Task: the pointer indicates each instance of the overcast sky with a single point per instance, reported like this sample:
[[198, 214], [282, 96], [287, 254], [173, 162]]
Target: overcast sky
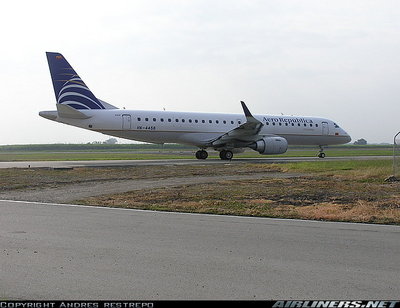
[[335, 59]]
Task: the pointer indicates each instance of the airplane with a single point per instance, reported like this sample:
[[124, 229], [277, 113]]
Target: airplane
[[225, 133]]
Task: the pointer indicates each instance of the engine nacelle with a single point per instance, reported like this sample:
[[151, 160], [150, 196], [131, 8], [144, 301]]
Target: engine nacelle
[[270, 145]]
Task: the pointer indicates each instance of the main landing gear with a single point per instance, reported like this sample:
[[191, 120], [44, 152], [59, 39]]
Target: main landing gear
[[226, 155], [201, 154], [321, 153]]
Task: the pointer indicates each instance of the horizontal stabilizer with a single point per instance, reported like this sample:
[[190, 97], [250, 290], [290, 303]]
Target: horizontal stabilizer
[[51, 115], [107, 105], [66, 111]]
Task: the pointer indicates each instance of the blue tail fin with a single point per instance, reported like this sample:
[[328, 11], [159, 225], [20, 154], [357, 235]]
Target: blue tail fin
[[69, 88]]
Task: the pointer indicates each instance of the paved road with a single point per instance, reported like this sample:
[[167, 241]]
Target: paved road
[[122, 163], [72, 252]]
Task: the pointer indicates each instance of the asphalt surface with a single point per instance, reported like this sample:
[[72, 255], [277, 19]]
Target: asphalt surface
[[53, 251], [177, 162]]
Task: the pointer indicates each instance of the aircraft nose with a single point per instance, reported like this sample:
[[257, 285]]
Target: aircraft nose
[[347, 137]]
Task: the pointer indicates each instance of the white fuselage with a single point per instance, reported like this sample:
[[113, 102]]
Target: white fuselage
[[199, 129]]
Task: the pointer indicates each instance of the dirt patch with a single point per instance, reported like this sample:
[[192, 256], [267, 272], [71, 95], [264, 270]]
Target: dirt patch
[[310, 197], [65, 186]]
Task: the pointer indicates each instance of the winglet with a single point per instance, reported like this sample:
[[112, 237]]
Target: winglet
[[247, 131], [249, 116], [246, 110]]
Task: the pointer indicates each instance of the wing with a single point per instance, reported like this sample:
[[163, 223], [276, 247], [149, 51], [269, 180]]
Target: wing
[[241, 135]]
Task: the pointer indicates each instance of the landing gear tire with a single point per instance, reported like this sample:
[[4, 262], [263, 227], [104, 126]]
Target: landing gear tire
[[226, 155], [201, 154], [321, 153]]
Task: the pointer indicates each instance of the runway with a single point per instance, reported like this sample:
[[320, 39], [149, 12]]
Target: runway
[[51, 251], [177, 162]]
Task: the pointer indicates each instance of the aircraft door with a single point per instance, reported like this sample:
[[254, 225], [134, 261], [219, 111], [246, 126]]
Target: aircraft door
[[325, 128], [126, 121]]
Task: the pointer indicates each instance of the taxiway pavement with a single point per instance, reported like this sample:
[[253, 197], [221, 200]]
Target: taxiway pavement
[[177, 162], [51, 251]]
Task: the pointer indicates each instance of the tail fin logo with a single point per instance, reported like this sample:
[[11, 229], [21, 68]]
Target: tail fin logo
[[69, 88], [76, 94]]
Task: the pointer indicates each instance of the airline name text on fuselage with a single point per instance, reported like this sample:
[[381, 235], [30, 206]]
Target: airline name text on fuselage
[[287, 120]]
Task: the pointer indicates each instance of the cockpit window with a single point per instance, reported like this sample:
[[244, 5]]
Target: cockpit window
[[336, 126]]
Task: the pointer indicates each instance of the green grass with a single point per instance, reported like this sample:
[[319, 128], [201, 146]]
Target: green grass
[[338, 166], [358, 170], [329, 153]]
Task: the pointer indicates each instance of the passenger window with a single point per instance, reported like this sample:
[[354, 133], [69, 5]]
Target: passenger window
[[183, 120], [217, 121], [203, 121], [154, 119], [196, 121], [176, 120], [232, 122], [162, 120], [139, 119], [209, 121], [169, 120], [316, 125], [224, 122], [146, 119]]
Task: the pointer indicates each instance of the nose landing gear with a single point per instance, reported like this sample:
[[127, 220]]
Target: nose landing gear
[[321, 153]]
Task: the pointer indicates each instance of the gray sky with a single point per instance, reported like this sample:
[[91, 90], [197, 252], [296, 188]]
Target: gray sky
[[335, 59]]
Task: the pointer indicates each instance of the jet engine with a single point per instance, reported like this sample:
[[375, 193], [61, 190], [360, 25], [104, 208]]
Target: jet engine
[[270, 145]]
